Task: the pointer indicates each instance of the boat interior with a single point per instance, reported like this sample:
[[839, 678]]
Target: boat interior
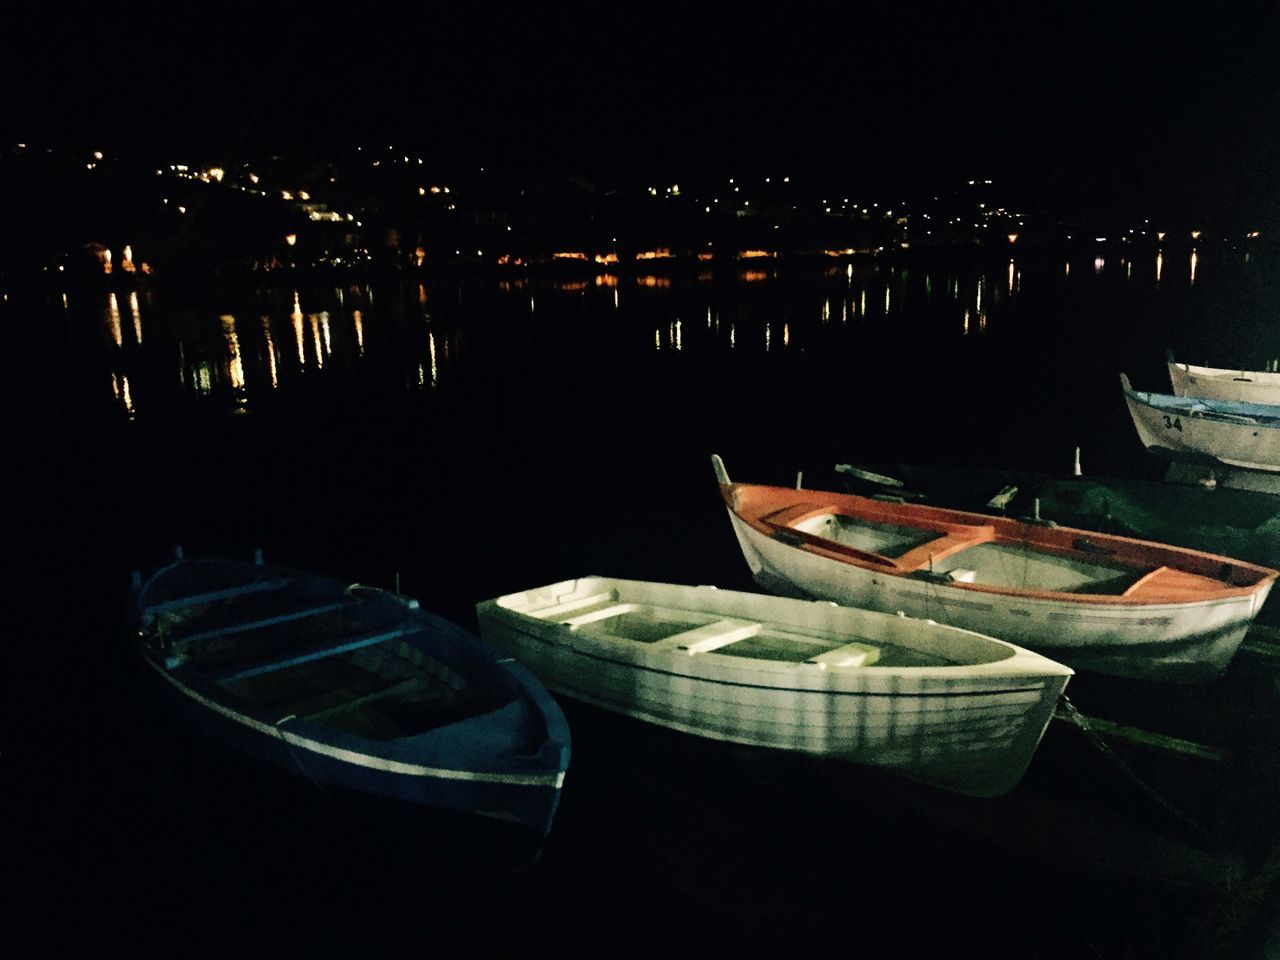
[[1004, 555], [323, 659], [611, 615]]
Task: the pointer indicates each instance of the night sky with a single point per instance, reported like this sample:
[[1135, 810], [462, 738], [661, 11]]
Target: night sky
[[1166, 105]]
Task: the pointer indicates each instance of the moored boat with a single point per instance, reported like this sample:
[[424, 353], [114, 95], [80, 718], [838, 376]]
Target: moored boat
[[1217, 383], [1094, 601], [934, 703], [356, 688], [1237, 434]]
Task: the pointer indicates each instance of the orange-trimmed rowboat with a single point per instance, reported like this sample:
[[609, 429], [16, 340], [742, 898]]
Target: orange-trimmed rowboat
[[1093, 601]]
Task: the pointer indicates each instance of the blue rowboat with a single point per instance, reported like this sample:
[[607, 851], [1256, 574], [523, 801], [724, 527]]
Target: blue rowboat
[[354, 687]]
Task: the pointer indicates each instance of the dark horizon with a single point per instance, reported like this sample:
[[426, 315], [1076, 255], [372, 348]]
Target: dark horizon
[[1091, 109]]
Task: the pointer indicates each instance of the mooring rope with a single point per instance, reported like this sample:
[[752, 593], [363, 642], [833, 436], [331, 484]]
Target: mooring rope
[[1069, 712]]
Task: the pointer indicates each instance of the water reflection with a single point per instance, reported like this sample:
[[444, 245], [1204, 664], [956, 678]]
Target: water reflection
[[272, 362], [235, 366], [239, 356], [136, 313], [120, 386], [113, 319], [296, 318]]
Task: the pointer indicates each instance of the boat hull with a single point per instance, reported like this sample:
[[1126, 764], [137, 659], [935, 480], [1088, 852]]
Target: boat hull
[[528, 798], [971, 730], [1186, 643], [1234, 386]]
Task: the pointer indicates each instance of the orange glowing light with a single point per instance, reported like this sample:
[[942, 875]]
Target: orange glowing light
[[1195, 234], [606, 280], [286, 194], [606, 258], [1013, 238], [291, 239], [756, 254], [648, 280], [705, 255], [419, 256], [569, 255], [754, 276], [660, 253]]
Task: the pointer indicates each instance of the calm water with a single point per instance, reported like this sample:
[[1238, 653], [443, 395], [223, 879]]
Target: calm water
[[476, 436]]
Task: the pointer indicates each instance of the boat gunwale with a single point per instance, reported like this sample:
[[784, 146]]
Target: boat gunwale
[[1248, 413], [1016, 661], [1266, 378], [1015, 681]]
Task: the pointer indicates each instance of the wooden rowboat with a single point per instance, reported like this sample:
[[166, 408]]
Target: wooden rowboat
[[1237, 434], [937, 704], [1217, 383], [357, 688], [1094, 601]]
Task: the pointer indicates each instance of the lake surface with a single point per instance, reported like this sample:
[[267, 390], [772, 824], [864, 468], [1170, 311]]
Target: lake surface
[[474, 436]]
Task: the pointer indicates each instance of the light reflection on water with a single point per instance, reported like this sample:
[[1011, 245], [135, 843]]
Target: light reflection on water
[[113, 319], [218, 358], [136, 312]]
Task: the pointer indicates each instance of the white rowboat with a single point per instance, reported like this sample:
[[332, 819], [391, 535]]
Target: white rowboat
[[940, 705], [1216, 383]]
